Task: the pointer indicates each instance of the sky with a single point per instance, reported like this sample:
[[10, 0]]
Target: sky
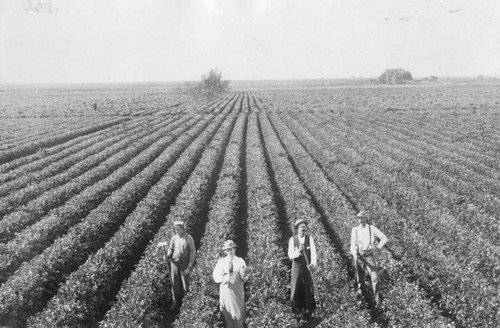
[[85, 41]]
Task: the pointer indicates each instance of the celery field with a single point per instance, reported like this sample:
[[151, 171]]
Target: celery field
[[92, 178]]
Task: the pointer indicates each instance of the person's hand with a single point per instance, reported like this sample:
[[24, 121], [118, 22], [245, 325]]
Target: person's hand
[[301, 247], [187, 271], [311, 266], [243, 273]]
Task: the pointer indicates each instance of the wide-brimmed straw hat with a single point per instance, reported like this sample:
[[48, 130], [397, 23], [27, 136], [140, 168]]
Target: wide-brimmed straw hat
[[179, 224], [228, 244], [299, 222], [363, 214]]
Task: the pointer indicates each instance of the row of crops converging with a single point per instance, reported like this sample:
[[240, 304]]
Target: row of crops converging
[[84, 202]]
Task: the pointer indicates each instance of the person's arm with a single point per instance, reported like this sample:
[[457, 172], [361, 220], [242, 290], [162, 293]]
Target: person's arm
[[242, 270], [171, 248], [382, 238], [353, 243], [313, 251], [292, 253], [218, 273], [192, 253]]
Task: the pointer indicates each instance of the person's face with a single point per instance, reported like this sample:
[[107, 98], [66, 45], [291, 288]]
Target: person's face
[[302, 229], [230, 251], [362, 221], [179, 230]]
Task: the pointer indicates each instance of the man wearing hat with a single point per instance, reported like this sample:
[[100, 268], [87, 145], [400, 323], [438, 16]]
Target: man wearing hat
[[302, 252], [362, 249], [182, 253]]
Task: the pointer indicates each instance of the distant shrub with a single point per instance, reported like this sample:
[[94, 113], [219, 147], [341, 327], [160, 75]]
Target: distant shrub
[[210, 86], [395, 76]]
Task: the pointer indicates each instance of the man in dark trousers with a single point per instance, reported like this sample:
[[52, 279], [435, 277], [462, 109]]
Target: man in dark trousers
[[182, 253], [302, 252]]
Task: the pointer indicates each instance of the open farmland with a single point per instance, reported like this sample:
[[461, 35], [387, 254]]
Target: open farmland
[[88, 191]]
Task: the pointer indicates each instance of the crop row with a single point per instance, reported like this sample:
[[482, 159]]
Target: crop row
[[144, 297], [85, 296], [30, 287], [339, 216], [453, 288], [115, 172], [200, 306], [268, 283], [434, 140], [33, 145], [50, 197], [45, 157], [63, 171], [474, 132], [475, 186], [334, 286], [413, 193], [26, 131]]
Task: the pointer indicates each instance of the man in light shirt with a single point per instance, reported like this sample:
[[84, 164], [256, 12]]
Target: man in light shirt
[[363, 246], [182, 253], [302, 252]]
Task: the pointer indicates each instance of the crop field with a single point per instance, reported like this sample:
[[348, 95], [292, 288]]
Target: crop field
[[92, 179]]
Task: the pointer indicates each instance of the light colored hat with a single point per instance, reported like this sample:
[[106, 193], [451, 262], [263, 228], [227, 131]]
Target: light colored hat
[[299, 222], [228, 244], [362, 214], [179, 224]]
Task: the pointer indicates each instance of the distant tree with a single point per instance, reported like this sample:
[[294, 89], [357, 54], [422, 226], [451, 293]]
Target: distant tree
[[395, 76], [210, 86]]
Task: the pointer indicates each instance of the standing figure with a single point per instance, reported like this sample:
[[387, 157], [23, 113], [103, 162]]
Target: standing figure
[[302, 252], [363, 248], [230, 274], [182, 253]]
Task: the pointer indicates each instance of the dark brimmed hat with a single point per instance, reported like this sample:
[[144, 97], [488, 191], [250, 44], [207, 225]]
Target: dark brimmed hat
[[299, 222], [363, 214], [228, 244]]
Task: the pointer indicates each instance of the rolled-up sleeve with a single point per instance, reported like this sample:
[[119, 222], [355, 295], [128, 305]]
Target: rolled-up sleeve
[[314, 256], [353, 242], [292, 253], [382, 238], [218, 273]]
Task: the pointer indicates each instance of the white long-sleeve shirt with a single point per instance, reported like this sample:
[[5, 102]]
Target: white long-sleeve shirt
[[294, 252], [362, 239]]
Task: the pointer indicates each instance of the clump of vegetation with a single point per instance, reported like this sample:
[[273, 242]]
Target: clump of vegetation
[[210, 86], [395, 76]]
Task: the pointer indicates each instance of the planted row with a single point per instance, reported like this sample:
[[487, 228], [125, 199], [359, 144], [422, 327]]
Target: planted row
[[201, 306], [85, 296], [338, 214], [476, 254], [61, 172], [268, 284], [27, 291], [144, 297], [444, 281], [40, 235], [33, 145], [334, 286]]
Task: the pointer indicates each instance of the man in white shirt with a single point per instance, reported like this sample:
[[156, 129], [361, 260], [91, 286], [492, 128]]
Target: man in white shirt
[[182, 253], [302, 252], [363, 247]]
